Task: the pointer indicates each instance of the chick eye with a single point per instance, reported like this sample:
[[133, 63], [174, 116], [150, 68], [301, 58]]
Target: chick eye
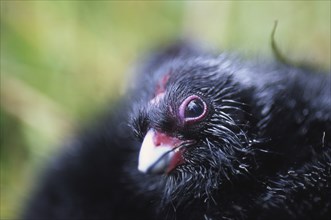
[[192, 109]]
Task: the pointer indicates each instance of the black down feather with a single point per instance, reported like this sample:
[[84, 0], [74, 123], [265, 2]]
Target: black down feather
[[247, 140]]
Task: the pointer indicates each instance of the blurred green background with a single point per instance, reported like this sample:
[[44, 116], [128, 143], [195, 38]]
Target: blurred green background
[[63, 61]]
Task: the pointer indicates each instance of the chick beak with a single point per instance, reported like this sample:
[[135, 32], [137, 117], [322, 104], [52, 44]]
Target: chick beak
[[159, 153]]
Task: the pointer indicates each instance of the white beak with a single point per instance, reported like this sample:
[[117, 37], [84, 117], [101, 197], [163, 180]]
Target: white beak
[[152, 158]]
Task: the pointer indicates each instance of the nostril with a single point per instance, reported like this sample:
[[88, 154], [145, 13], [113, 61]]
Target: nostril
[[162, 139], [159, 138], [157, 142]]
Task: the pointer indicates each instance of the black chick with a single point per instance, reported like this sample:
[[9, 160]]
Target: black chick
[[217, 138]]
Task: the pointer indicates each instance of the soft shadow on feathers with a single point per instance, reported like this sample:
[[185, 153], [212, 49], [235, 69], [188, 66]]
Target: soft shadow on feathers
[[263, 150]]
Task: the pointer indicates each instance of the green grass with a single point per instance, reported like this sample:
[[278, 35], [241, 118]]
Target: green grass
[[63, 61]]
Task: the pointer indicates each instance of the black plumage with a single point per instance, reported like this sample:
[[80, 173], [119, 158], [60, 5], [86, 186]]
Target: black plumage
[[239, 140]]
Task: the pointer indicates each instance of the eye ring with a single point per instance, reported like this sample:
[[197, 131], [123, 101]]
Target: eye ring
[[192, 109]]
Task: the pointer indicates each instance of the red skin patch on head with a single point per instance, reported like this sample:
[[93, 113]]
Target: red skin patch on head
[[160, 88]]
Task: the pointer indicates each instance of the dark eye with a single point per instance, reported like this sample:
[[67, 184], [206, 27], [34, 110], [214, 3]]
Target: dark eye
[[192, 109]]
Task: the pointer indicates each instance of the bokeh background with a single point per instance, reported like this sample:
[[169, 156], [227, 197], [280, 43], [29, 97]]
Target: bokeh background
[[63, 61]]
